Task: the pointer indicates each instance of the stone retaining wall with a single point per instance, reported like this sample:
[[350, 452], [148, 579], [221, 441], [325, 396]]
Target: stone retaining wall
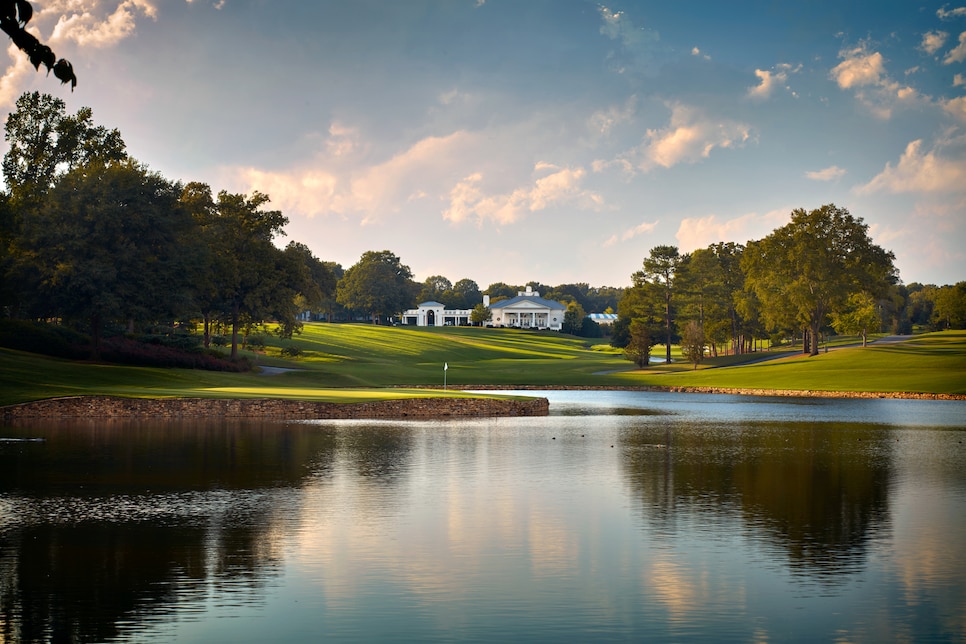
[[110, 407]]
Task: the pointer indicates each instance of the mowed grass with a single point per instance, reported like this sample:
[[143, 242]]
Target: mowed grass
[[930, 363], [346, 363]]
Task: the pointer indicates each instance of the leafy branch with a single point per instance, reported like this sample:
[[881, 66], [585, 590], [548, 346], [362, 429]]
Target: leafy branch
[[14, 16]]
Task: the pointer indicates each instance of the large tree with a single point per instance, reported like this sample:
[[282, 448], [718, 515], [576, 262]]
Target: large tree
[[378, 283], [806, 270], [108, 245], [45, 143], [248, 271], [657, 279]]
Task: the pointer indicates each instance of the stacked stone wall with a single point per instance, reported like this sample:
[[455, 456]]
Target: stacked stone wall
[[112, 407]]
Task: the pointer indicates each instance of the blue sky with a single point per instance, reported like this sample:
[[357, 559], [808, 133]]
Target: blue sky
[[556, 141]]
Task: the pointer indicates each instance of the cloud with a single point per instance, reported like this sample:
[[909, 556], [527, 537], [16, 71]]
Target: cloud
[[958, 53], [827, 174], [467, 199], [932, 41], [629, 234], [85, 26], [945, 14], [864, 72], [697, 52], [690, 137], [859, 68], [920, 171], [694, 233], [333, 184], [637, 44], [15, 76], [956, 107], [959, 80], [768, 81], [603, 122]]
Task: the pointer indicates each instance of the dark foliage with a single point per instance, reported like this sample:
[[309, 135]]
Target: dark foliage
[[122, 350], [14, 16], [46, 339]]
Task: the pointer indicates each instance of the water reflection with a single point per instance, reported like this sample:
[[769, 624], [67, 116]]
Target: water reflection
[[820, 493], [698, 521]]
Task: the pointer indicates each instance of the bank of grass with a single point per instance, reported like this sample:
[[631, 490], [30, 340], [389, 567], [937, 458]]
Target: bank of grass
[[930, 363], [345, 363]]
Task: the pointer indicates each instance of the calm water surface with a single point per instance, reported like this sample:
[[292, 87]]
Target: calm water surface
[[622, 516]]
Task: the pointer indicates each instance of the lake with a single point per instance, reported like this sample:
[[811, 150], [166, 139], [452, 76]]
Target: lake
[[621, 516]]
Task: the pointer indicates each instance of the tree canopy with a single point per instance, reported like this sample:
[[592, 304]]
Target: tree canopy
[[378, 283], [806, 270]]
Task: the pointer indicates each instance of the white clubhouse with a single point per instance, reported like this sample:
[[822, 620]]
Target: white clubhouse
[[525, 311]]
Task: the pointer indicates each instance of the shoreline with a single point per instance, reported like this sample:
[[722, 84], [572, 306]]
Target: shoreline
[[735, 391], [404, 408]]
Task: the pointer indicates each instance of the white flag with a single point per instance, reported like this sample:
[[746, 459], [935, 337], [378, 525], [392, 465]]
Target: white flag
[[445, 366]]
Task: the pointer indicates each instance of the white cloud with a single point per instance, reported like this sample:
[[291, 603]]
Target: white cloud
[[959, 80], [859, 68], [932, 41], [946, 14], [864, 72], [701, 232], [330, 185], [956, 107], [958, 53], [767, 83], [629, 234], [827, 174], [467, 200], [690, 137], [697, 52], [86, 26], [15, 77], [919, 171]]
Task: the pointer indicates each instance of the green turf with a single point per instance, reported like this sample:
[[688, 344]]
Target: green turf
[[352, 362]]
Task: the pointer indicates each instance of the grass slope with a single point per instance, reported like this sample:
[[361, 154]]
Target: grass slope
[[344, 363]]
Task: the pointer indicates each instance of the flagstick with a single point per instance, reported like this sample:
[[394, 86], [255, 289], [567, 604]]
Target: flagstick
[[445, 369]]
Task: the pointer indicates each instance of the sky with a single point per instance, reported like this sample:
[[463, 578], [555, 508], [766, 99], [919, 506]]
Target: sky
[[554, 141]]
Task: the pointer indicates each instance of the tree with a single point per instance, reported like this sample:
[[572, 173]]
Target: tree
[[481, 314], [108, 246], [805, 270], [573, 320], [378, 283], [436, 288], [501, 291], [949, 308], [693, 343], [859, 314], [638, 349], [14, 16], [660, 270], [248, 272], [466, 294], [44, 144]]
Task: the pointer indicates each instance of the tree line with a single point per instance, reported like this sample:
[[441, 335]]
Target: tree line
[[91, 238], [819, 273]]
